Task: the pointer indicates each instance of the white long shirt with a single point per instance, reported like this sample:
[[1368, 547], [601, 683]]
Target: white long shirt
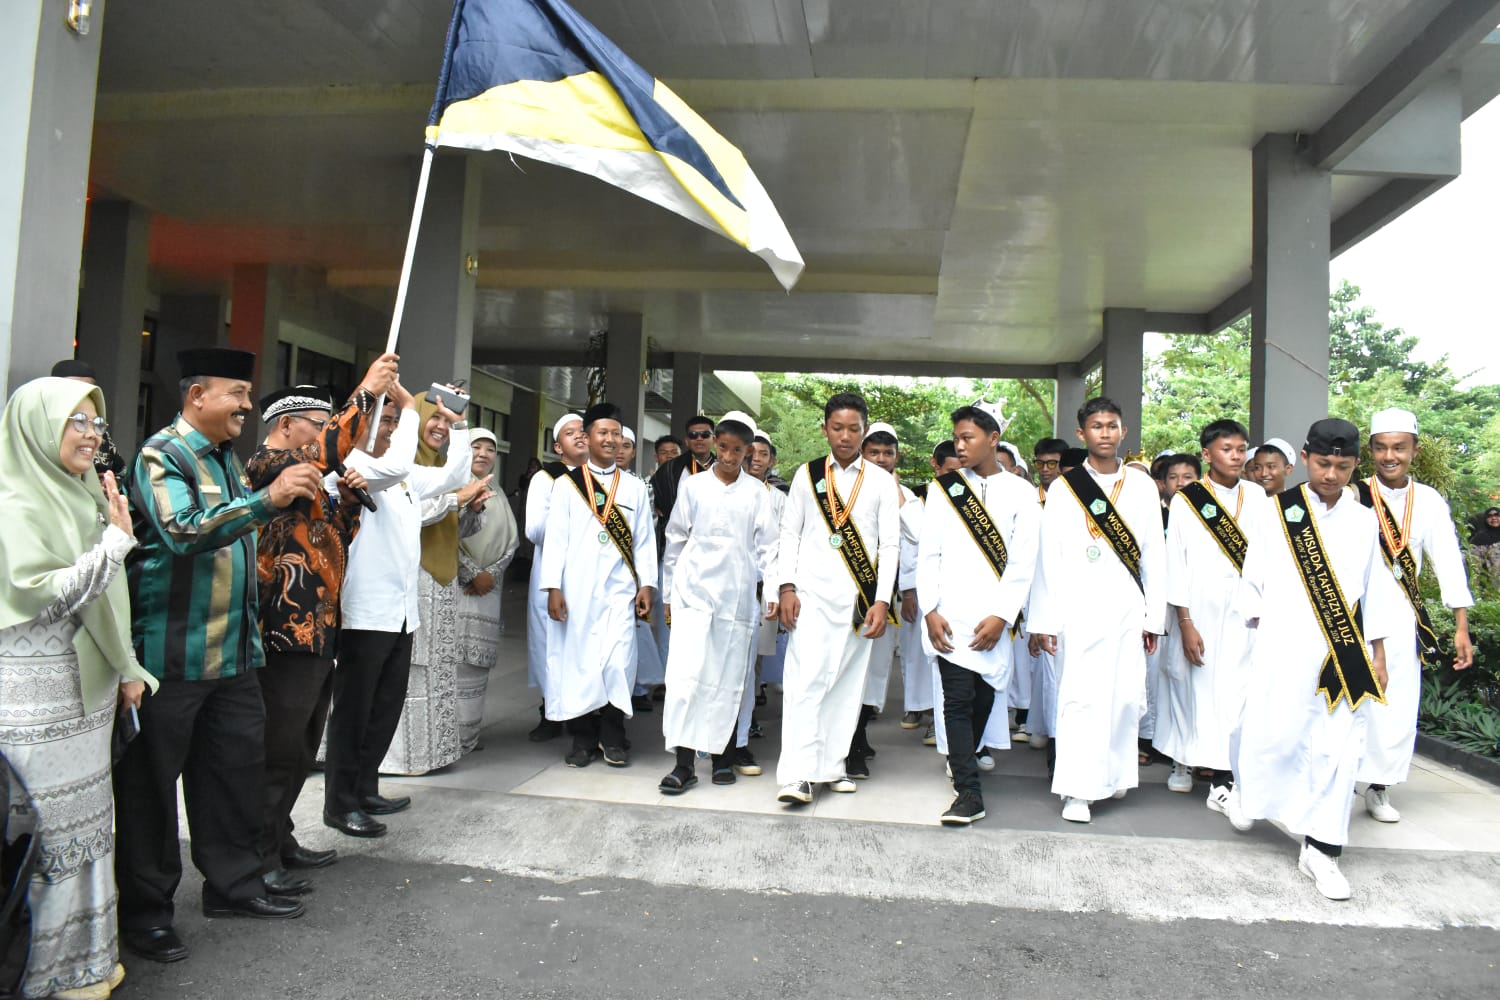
[[805, 558], [956, 580], [380, 585]]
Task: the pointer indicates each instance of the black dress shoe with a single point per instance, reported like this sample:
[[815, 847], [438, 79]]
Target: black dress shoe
[[301, 857], [283, 883], [260, 907], [159, 944], [379, 805], [356, 824]]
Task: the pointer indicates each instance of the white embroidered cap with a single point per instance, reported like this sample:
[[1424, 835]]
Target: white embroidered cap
[[563, 421], [996, 410], [627, 434], [1393, 421], [1281, 445], [740, 417], [881, 427]]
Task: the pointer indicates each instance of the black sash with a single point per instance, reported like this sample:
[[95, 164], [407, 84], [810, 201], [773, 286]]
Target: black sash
[[1404, 565], [976, 518], [615, 525], [1346, 674], [856, 558], [555, 469], [1219, 522], [1108, 520]]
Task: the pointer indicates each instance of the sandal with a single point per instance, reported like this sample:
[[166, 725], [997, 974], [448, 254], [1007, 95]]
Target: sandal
[[679, 781], [724, 775]]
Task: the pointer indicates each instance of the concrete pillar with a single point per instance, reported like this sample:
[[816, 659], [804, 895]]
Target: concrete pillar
[[111, 308], [437, 327], [687, 389], [1067, 399], [48, 76], [1124, 367], [255, 326], [624, 364], [1289, 292], [524, 425]]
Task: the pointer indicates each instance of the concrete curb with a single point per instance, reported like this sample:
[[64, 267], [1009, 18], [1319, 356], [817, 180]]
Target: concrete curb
[[1480, 766]]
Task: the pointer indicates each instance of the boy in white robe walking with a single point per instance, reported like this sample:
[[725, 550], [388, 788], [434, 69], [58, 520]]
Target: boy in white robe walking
[[599, 571], [836, 560], [1415, 524], [573, 450], [770, 641], [1040, 720], [980, 532], [1317, 591], [1098, 606], [720, 540], [1207, 662]]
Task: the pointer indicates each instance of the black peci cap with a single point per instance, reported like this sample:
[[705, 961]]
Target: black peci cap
[[217, 362], [1333, 436]]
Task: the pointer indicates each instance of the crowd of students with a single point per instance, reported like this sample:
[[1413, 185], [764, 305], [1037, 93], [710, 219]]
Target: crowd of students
[[338, 596]]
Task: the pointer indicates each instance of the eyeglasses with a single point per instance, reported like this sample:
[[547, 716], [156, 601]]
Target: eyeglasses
[[699, 435], [1046, 463], [83, 423], [319, 424]]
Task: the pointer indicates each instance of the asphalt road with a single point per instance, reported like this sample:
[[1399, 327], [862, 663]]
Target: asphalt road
[[390, 929]]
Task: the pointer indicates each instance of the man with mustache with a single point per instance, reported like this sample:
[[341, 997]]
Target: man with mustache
[[194, 605]]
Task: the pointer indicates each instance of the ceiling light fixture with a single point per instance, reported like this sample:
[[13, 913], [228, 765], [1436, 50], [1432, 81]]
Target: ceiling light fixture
[[78, 16]]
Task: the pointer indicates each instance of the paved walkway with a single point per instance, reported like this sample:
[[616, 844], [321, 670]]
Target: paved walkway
[[513, 807]]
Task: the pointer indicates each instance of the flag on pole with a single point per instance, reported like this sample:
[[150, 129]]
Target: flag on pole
[[535, 78]]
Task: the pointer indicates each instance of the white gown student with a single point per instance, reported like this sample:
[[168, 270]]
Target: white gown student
[[916, 666], [1198, 707], [591, 655], [768, 637], [1086, 597], [720, 540], [827, 656], [884, 649], [538, 504], [1424, 527]]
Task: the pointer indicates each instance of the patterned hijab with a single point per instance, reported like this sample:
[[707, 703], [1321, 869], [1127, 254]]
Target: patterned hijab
[[52, 518], [440, 538]]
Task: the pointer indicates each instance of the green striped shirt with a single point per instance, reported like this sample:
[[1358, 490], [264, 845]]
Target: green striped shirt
[[192, 577]]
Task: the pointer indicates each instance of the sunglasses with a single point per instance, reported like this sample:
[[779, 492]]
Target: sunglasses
[[699, 435], [1046, 463], [83, 423], [319, 424]]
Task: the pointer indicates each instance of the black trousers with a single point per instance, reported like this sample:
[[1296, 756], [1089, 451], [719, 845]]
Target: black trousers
[[605, 727], [211, 733], [296, 688], [369, 690], [967, 701]]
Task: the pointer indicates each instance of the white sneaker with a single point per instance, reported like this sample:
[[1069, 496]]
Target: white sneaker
[[1236, 812], [1218, 799], [1021, 733], [1324, 871], [1119, 793], [1378, 805], [795, 792], [1038, 741], [843, 784], [986, 761], [1076, 810], [1181, 779]]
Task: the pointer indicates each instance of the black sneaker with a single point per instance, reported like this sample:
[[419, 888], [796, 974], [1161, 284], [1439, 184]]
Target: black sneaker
[[755, 731], [581, 755], [544, 731], [615, 756], [760, 696], [964, 810], [855, 767], [641, 703], [745, 763]]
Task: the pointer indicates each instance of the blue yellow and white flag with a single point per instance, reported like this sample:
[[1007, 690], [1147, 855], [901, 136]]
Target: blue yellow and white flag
[[535, 78]]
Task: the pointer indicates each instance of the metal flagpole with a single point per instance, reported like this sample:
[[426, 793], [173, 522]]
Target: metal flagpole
[[411, 250]]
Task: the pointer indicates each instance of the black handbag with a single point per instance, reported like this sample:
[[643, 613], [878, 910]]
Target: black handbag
[[19, 855]]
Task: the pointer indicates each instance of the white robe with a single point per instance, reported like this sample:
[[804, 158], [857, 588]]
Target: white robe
[[883, 655], [650, 662], [591, 656], [1097, 613], [916, 665], [957, 581], [720, 540], [1294, 761], [1198, 707], [1042, 715], [826, 658], [538, 503], [1393, 726]]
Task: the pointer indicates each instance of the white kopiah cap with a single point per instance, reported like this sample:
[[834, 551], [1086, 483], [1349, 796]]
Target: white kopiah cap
[[627, 434], [1021, 464], [1011, 450], [879, 426], [1281, 445], [1393, 421], [563, 421], [761, 435], [740, 417]]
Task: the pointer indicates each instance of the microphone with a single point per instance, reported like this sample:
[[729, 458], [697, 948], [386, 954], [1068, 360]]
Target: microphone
[[336, 466]]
